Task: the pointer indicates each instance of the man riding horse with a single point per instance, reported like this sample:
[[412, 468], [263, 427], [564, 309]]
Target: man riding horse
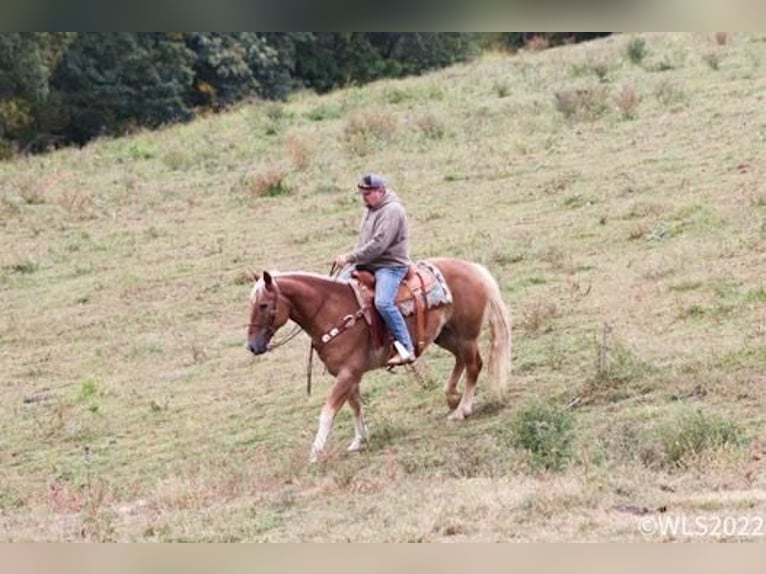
[[383, 248]]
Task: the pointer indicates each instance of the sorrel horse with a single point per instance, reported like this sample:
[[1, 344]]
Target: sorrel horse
[[318, 304]]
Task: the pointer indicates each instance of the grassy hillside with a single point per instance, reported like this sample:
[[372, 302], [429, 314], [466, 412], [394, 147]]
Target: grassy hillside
[[615, 189]]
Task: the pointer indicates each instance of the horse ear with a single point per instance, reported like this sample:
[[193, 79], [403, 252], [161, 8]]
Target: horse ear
[[253, 276], [268, 280]]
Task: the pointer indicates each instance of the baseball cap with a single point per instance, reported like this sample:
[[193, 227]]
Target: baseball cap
[[371, 181]]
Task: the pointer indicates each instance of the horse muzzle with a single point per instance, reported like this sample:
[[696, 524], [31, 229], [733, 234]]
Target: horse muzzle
[[257, 345]]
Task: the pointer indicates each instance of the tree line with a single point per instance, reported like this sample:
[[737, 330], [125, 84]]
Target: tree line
[[65, 88]]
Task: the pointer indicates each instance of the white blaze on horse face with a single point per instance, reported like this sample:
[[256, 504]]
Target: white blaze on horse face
[[260, 287], [257, 290]]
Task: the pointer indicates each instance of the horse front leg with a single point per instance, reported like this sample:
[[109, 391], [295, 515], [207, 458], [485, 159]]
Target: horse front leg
[[338, 395]]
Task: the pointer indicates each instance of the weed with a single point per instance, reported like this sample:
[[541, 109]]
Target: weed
[[600, 69], [88, 392], [669, 93], [583, 103], [712, 59], [538, 315], [367, 130], [661, 232], [546, 433], [686, 286], [76, 202], [268, 182], [502, 258], [24, 267], [176, 160], [756, 296], [275, 112], [636, 50], [300, 151], [139, 150], [721, 38], [616, 366], [398, 95], [31, 192], [627, 102], [537, 43], [502, 88], [325, 112], [430, 126]]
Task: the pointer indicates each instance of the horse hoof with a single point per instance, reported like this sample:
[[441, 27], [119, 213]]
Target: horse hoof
[[456, 417], [356, 446], [453, 401]]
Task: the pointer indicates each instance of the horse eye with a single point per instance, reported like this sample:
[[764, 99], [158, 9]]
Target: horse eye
[[263, 306]]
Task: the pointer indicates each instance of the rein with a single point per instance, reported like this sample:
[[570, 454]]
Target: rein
[[287, 338]]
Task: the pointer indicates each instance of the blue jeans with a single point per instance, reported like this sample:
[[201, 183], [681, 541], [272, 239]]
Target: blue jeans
[[387, 280]]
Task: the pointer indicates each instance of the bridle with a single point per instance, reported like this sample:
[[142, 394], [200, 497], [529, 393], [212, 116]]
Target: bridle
[[269, 330], [271, 313]]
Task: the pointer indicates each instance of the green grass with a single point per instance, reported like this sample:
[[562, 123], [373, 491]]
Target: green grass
[[130, 409]]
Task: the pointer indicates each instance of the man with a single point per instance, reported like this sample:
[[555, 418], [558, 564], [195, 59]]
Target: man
[[383, 248]]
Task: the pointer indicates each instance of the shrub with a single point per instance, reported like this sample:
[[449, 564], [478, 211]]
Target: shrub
[[364, 131], [616, 366], [669, 93], [583, 103], [692, 435], [537, 43], [269, 182], [601, 69], [502, 88], [636, 50], [430, 126], [24, 266], [538, 314], [712, 59], [300, 151], [546, 433]]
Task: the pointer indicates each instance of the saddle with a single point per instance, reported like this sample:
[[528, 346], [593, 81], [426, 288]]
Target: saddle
[[422, 288]]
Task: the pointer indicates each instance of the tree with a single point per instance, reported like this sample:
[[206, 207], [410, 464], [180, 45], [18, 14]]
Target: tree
[[25, 63], [232, 66], [107, 82]]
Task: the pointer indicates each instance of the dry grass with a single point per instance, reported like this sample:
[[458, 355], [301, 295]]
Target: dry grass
[[130, 410]]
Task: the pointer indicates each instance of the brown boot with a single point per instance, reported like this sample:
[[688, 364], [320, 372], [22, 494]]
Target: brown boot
[[398, 360], [402, 357]]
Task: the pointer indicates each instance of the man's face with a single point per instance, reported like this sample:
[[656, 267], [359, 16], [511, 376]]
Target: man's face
[[372, 197]]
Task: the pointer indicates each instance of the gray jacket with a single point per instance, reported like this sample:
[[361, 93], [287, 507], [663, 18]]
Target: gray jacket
[[384, 239]]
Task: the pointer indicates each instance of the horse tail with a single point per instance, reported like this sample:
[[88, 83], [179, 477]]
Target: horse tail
[[497, 315]]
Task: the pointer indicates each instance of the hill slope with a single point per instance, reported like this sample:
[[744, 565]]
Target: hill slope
[[618, 201]]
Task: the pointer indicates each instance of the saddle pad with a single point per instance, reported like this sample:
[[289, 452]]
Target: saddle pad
[[437, 293]]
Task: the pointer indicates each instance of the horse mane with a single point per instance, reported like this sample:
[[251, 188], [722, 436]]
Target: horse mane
[[260, 285]]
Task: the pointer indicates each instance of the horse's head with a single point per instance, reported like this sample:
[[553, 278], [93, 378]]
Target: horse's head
[[268, 312]]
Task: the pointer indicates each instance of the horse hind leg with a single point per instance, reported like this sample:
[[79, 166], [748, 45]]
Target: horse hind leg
[[450, 385], [360, 428], [473, 364], [447, 340]]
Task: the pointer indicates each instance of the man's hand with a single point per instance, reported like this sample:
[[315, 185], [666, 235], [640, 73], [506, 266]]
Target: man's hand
[[341, 260]]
